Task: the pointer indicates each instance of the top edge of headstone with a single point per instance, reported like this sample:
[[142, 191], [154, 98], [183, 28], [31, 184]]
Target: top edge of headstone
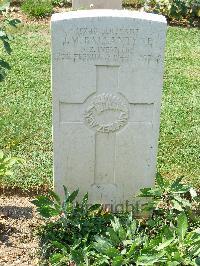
[[108, 13]]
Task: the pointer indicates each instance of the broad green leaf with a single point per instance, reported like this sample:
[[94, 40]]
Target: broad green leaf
[[168, 232], [94, 207], [145, 192], [117, 261], [116, 224], [197, 261], [182, 201], [65, 191], [132, 249], [150, 205], [101, 243], [45, 207], [84, 201], [41, 201], [102, 260], [56, 258], [196, 240], [160, 180], [127, 242], [47, 211], [59, 245], [150, 192], [133, 226], [55, 196], [7, 47], [77, 256], [149, 259], [182, 225], [173, 263], [164, 244], [72, 196], [113, 236], [112, 252], [105, 247], [14, 22], [196, 250], [177, 181], [178, 187], [122, 233], [176, 205]]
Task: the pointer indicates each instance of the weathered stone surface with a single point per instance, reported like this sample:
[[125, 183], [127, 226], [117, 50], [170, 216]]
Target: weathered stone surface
[[97, 4], [107, 74]]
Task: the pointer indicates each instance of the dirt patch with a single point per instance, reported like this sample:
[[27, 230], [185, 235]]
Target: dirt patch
[[19, 244]]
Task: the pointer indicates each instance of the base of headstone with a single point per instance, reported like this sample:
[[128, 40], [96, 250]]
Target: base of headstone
[[96, 4]]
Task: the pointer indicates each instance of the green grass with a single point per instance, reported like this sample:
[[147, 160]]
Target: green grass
[[25, 108], [179, 146]]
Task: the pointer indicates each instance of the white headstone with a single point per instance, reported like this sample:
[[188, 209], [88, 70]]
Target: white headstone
[[96, 4], [107, 75]]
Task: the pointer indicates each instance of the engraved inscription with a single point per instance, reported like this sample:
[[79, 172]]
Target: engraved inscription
[[99, 44], [87, 44], [106, 113]]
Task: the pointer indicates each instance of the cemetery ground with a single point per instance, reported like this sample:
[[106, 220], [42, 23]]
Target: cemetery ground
[[26, 108], [26, 128]]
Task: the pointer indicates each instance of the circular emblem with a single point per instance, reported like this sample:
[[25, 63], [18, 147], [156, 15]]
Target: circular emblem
[[106, 113]]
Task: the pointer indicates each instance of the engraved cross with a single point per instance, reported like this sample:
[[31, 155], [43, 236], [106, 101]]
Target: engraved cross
[[114, 115], [106, 113]]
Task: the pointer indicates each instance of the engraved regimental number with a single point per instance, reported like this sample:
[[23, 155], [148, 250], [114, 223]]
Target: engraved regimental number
[[106, 113]]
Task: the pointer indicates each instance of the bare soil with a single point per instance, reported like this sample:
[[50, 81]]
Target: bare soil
[[19, 243]]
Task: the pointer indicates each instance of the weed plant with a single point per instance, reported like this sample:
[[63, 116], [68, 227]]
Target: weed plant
[[76, 234]]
